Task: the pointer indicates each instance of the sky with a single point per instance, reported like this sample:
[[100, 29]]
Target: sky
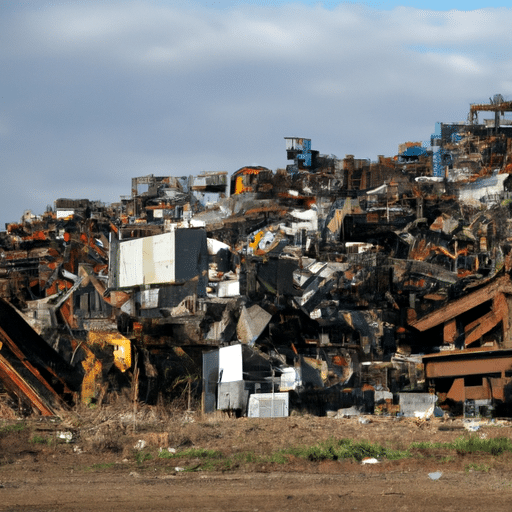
[[93, 93]]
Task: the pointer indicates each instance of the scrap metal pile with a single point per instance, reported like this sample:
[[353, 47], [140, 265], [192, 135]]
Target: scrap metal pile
[[329, 285]]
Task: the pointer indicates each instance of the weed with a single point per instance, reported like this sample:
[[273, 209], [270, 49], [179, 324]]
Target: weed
[[228, 464], [277, 458], [191, 453], [206, 465], [472, 444], [247, 457], [141, 457], [17, 427], [426, 445], [37, 439], [345, 449], [463, 445], [101, 466], [484, 468]]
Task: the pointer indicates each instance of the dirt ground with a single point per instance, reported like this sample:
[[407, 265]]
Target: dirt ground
[[114, 463]]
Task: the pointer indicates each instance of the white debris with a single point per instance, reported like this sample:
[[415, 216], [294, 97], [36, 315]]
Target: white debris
[[169, 450], [369, 460], [140, 444], [66, 436]]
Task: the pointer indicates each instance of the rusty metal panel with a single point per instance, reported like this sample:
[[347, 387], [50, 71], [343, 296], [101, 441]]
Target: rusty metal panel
[[450, 331], [468, 362]]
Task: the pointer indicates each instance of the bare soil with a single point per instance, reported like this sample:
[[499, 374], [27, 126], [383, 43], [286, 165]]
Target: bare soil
[[102, 470]]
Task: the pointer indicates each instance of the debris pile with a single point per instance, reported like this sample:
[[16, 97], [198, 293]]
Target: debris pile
[[332, 285]]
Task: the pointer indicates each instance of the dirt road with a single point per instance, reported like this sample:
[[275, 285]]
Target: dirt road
[[251, 492]]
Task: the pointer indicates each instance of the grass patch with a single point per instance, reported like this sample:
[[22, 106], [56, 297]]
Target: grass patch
[[336, 450], [191, 453], [7, 429], [277, 458], [141, 457], [345, 449], [473, 444], [101, 466], [427, 445], [484, 468], [358, 450], [247, 457], [37, 439]]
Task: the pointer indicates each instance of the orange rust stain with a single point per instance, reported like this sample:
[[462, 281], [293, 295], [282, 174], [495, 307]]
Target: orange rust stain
[[416, 283], [421, 251], [52, 289], [339, 361]]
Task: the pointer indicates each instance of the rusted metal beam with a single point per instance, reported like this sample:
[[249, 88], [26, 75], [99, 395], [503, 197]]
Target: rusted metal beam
[[450, 331], [483, 326], [505, 106], [33, 358], [467, 362], [459, 306], [17, 385]]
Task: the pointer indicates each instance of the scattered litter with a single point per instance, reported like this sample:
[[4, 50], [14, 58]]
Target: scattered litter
[[140, 444], [436, 475], [66, 436], [472, 426], [348, 412], [364, 421], [369, 460], [178, 469], [134, 474], [438, 412], [168, 450]]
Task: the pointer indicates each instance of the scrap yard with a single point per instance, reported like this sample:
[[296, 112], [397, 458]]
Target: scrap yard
[[332, 334], [330, 286]]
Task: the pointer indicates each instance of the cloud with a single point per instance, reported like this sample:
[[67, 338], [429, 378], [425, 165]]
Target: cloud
[[94, 93]]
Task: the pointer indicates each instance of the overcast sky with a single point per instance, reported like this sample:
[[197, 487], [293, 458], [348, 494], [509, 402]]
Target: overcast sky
[[93, 93]]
